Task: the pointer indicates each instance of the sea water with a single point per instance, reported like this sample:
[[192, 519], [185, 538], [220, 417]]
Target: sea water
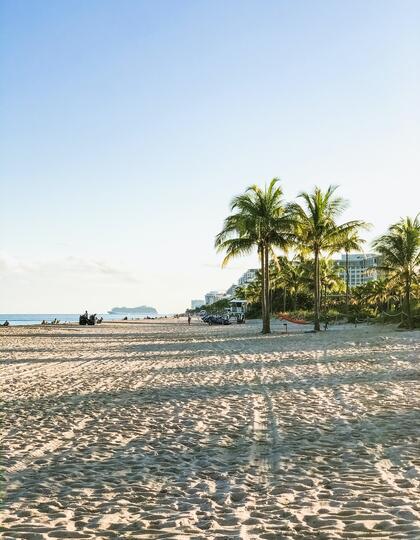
[[37, 318]]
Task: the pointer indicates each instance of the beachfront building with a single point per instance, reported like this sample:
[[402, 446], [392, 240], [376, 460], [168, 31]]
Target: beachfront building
[[362, 268], [249, 276], [196, 304], [213, 296]]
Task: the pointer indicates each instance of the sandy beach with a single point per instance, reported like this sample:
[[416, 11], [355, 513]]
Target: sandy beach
[[157, 430]]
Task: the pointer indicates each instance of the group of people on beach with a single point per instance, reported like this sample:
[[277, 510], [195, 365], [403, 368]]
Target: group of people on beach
[[89, 320], [55, 321]]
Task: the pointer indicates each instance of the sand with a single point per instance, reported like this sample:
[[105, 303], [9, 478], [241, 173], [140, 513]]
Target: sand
[[155, 430]]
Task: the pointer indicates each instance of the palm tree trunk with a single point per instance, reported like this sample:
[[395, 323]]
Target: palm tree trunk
[[325, 298], [321, 298], [317, 326], [262, 281], [408, 304], [266, 283], [284, 299], [295, 301], [347, 283], [267, 271]]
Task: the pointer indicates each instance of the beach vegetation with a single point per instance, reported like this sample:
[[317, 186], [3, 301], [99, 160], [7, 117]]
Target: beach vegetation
[[218, 307], [399, 248], [309, 284]]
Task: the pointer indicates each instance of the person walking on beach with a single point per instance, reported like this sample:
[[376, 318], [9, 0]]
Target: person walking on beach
[[189, 319]]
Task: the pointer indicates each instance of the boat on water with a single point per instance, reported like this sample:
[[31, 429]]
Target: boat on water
[[140, 310]]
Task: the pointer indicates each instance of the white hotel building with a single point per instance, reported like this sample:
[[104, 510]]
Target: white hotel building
[[362, 268], [248, 276], [213, 296]]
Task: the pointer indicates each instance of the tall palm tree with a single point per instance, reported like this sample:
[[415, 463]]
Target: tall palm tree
[[316, 230], [400, 258], [258, 221], [351, 241]]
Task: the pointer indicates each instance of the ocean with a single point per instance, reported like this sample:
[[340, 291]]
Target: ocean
[[37, 318]]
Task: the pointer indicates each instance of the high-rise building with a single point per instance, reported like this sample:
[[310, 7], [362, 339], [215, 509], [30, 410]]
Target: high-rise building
[[213, 296], [248, 276], [362, 268]]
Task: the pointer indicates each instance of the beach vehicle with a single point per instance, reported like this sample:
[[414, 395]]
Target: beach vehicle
[[236, 310], [215, 319]]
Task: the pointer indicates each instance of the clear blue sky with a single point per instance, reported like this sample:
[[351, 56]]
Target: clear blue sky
[[127, 126]]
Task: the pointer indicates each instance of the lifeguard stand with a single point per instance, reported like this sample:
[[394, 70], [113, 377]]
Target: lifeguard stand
[[237, 309]]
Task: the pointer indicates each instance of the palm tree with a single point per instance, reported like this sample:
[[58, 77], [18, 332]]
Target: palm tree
[[329, 279], [375, 294], [277, 273], [292, 278], [316, 231], [379, 293], [351, 241], [400, 258], [258, 221], [251, 292]]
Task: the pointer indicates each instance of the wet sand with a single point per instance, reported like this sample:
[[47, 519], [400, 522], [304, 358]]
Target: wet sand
[[157, 430]]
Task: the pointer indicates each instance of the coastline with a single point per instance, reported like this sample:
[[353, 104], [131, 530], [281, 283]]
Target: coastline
[[26, 319]]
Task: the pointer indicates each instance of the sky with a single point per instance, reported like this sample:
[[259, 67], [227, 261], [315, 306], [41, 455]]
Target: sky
[[128, 126]]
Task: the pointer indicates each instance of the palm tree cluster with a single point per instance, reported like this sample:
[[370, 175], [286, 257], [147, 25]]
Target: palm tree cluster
[[399, 249], [291, 285], [374, 298], [309, 227], [397, 292]]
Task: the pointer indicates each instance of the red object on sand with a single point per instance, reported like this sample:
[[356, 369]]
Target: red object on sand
[[290, 319]]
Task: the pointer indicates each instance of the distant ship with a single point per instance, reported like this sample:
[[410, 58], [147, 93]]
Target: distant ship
[[144, 310]]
